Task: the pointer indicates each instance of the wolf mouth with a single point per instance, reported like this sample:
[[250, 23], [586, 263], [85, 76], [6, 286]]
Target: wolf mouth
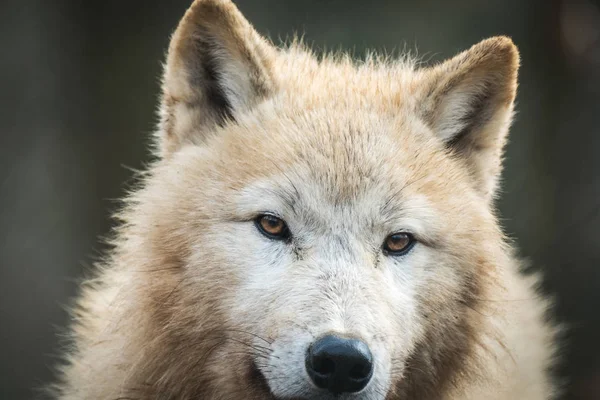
[[259, 379]]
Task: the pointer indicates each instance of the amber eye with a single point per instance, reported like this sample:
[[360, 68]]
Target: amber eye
[[399, 243], [272, 227]]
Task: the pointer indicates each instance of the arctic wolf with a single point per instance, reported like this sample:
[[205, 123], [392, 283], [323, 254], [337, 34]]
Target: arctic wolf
[[315, 228]]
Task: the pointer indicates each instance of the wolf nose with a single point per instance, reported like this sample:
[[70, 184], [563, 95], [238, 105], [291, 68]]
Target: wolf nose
[[339, 365]]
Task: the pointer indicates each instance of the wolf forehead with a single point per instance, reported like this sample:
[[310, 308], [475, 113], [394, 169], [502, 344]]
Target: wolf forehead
[[355, 178], [327, 169], [338, 146]]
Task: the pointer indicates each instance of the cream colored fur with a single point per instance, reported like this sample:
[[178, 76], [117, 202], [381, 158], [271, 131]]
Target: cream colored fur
[[194, 303]]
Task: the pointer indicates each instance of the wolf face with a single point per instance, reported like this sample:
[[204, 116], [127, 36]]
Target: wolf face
[[331, 221], [307, 245], [314, 229]]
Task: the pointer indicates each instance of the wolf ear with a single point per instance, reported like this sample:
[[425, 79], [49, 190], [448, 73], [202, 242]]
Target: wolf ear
[[468, 103], [217, 67]]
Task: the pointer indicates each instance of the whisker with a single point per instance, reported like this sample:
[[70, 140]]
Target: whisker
[[249, 333], [255, 347]]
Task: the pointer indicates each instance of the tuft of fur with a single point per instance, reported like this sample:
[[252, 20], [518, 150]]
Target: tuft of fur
[[194, 303]]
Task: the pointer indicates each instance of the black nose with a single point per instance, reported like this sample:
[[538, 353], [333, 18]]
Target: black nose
[[339, 365]]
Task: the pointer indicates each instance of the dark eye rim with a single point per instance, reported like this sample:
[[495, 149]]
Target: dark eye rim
[[285, 233], [412, 242]]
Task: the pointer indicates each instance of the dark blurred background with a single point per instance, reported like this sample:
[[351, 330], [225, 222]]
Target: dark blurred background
[[79, 85]]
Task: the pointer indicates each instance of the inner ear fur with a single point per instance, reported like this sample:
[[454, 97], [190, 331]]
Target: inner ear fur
[[217, 67], [468, 102]]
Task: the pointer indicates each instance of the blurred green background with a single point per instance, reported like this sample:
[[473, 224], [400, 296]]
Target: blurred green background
[[77, 101]]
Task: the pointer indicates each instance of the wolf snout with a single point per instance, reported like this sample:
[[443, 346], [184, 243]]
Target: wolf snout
[[339, 365]]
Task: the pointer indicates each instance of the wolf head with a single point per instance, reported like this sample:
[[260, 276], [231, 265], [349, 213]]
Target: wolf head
[[319, 228]]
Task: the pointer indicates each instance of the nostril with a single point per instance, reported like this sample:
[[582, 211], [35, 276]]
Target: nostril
[[323, 365], [361, 371], [340, 365]]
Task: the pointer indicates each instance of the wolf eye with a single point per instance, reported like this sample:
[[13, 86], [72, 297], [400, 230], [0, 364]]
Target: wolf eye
[[272, 227], [399, 243]]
